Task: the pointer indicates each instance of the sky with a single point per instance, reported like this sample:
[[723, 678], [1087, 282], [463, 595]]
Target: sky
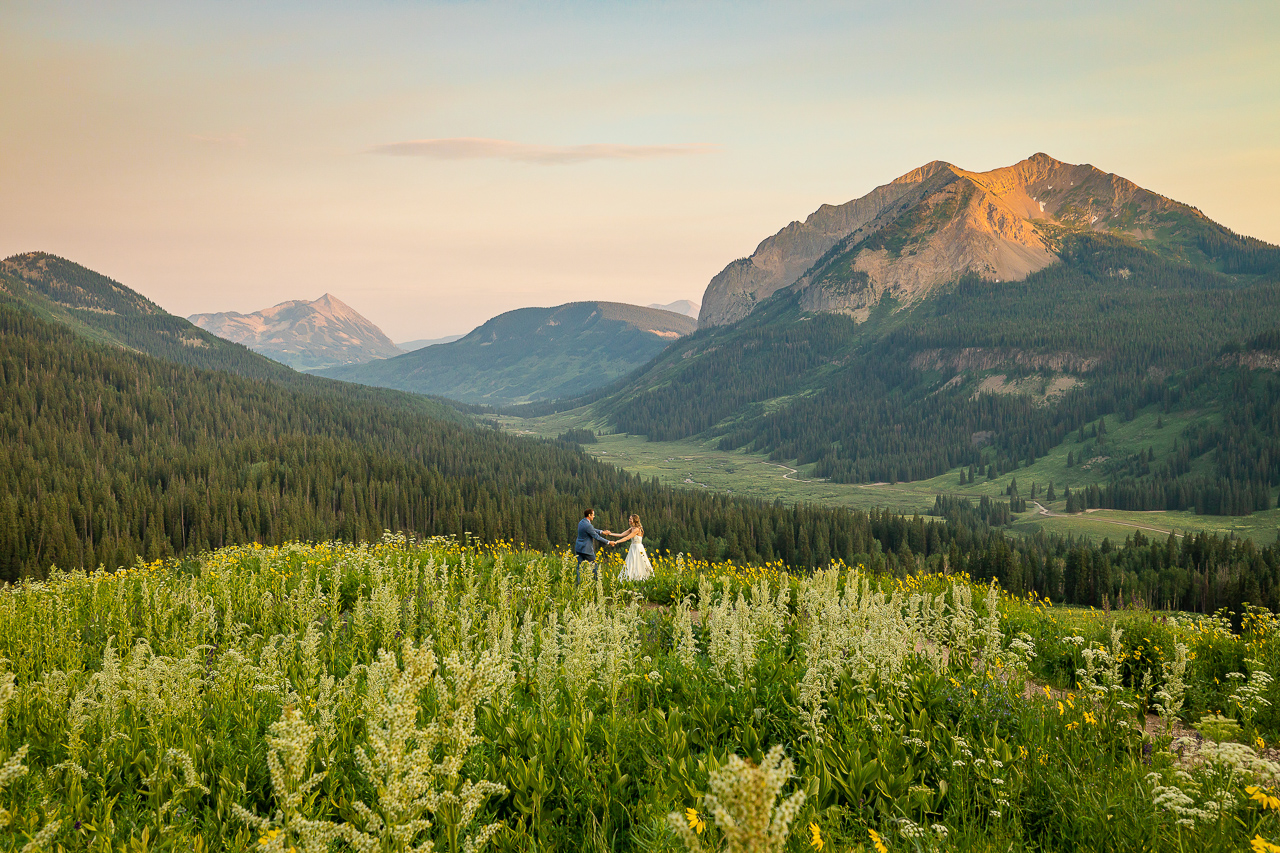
[[435, 164]]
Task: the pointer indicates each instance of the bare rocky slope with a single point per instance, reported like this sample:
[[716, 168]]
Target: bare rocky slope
[[304, 335], [940, 222]]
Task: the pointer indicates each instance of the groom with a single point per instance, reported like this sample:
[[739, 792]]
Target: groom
[[585, 548]]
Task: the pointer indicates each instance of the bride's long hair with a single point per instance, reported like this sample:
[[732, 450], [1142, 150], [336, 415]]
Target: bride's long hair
[[635, 522]]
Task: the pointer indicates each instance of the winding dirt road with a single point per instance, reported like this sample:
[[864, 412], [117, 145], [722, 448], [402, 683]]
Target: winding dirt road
[[1049, 514]]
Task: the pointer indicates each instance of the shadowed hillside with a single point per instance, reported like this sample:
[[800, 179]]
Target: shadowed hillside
[[531, 354]]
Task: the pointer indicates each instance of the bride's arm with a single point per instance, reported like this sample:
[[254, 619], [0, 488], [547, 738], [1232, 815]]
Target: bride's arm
[[630, 534]]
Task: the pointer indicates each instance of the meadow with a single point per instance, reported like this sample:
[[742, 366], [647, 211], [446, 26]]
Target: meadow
[[455, 696], [702, 466]]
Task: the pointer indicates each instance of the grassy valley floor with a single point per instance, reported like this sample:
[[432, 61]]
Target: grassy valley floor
[[701, 465]]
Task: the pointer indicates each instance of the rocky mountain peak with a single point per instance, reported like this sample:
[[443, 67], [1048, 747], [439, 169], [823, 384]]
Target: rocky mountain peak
[[928, 170], [305, 335], [931, 226]]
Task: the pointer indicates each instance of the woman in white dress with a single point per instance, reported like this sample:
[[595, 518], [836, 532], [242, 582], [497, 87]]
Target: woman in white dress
[[637, 567]]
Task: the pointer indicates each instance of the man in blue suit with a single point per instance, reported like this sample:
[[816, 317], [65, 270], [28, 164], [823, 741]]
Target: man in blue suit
[[585, 548]]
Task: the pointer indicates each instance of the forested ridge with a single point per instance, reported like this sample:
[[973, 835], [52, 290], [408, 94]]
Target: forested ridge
[[100, 309], [899, 397]]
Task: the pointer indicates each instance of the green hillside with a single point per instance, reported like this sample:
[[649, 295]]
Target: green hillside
[[104, 310], [531, 354], [101, 310]]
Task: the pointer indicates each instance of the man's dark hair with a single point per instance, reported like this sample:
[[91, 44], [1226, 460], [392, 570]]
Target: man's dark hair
[[587, 512]]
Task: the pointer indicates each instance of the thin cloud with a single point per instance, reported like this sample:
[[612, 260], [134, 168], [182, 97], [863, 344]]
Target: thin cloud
[[232, 140], [466, 148]]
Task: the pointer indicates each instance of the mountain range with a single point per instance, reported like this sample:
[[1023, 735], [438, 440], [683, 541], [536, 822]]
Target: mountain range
[[949, 321], [128, 433], [531, 354], [304, 335]]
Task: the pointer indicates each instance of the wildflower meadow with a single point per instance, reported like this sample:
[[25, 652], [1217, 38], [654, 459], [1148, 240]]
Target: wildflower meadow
[[454, 696]]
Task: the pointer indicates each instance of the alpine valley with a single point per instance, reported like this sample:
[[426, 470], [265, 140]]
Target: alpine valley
[[979, 323]]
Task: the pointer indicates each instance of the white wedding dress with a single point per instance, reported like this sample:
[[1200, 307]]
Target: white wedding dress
[[637, 567]]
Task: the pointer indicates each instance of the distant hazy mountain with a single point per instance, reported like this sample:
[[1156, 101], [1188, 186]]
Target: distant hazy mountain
[[681, 306], [937, 223], [410, 346], [531, 354], [304, 335]]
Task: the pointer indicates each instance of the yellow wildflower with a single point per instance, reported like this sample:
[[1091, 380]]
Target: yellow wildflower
[[816, 841], [1267, 801], [696, 823], [875, 839]]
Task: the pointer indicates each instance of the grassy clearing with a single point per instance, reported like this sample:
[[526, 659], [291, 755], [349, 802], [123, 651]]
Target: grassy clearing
[[698, 465], [1101, 524]]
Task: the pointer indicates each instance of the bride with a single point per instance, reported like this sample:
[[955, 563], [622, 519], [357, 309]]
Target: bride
[[637, 567]]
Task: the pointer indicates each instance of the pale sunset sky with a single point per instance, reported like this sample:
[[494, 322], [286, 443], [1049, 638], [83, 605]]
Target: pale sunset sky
[[435, 164]]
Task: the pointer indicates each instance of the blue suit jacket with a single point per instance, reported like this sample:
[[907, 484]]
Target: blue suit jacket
[[588, 536]]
